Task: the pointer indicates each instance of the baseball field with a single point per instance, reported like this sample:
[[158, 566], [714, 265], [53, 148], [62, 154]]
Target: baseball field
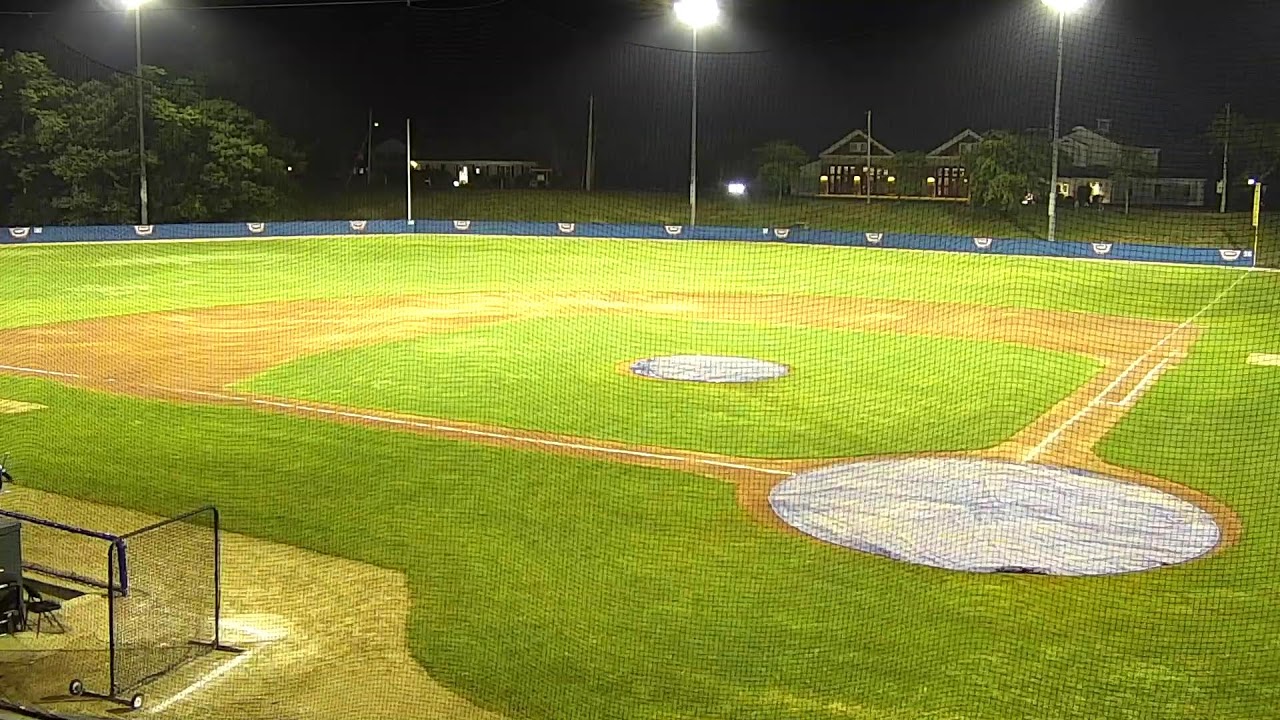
[[450, 495]]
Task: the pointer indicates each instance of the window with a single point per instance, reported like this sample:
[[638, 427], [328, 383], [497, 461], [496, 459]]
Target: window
[[858, 147]]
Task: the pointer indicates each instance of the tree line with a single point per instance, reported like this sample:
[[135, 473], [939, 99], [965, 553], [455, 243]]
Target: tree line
[[69, 150]]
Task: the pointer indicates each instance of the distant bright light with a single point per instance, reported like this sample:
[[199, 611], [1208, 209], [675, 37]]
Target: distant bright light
[[377, 124], [134, 4], [414, 164], [1253, 181], [737, 188], [289, 169], [697, 14], [1065, 7], [892, 179], [457, 184]]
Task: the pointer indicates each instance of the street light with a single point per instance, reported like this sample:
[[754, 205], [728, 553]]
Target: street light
[[1062, 8], [696, 15], [135, 6]]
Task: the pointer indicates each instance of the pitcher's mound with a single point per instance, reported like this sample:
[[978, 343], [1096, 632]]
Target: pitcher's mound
[[709, 369]]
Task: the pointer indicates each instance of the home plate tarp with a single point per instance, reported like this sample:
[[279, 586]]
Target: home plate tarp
[[992, 516]]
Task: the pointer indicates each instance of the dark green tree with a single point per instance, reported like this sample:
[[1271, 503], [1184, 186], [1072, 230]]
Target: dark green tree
[[1005, 166], [778, 165], [1253, 143], [69, 150]]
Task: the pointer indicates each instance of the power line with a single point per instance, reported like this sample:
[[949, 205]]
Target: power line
[[276, 4]]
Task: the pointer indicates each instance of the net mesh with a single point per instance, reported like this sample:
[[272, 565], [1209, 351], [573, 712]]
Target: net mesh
[[442, 466], [169, 616]]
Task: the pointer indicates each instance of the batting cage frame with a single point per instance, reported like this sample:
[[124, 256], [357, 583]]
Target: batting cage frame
[[70, 569], [163, 585]]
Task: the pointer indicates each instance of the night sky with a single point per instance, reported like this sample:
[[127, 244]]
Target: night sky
[[501, 78]]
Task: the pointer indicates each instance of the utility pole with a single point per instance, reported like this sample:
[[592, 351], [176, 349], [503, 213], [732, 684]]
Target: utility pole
[[591, 144], [408, 169], [1226, 147], [869, 168], [368, 152]]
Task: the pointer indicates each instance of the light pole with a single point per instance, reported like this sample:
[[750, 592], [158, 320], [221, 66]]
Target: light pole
[[696, 15], [1062, 8], [136, 7]]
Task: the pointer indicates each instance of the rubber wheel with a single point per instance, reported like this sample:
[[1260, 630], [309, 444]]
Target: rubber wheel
[[76, 688], [135, 702]]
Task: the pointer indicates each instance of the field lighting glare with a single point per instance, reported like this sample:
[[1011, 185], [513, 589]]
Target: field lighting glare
[[737, 189], [1066, 7], [697, 14], [134, 4]]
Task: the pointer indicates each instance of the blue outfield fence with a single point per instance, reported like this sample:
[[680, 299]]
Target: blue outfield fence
[[1131, 252]]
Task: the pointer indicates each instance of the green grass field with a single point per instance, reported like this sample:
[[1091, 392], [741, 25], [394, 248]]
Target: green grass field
[[550, 587], [1167, 226], [844, 395]]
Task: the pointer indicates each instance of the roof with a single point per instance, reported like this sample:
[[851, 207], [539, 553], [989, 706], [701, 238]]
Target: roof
[[955, 143], [878, 148]]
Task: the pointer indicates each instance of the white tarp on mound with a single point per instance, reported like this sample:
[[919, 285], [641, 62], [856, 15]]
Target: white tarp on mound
[[993, 516], [708, 369]]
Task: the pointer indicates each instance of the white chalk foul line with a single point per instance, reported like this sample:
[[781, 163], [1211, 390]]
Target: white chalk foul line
[[1152, 375], [1052, 437], [35, 371], [210, 677], [490, 434]]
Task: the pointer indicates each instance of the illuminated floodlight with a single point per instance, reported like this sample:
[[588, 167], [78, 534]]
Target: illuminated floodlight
[[1066, 7], [697, 14], [134, 4], [1253, 181], [289, 169], [737, 188], [457, 183], [414, 164]]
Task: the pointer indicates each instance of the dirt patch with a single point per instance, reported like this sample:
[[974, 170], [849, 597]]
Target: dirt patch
[[193, 355]]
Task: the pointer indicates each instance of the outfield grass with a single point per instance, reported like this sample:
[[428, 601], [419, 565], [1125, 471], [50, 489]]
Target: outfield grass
[[54, 283], [848, 393], [550, 587], [1169, 226]]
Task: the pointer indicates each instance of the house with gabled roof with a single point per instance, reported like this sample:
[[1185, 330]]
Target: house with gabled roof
[[949, 178], [844, 169]]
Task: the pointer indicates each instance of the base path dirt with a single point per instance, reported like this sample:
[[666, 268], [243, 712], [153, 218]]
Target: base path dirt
[[194, 355]]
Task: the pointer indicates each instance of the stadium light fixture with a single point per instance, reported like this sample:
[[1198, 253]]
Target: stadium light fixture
[[697, 14], [1063, 8], [135, 6], [737, 189]]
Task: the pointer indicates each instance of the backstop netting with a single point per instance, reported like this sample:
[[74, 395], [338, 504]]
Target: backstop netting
[[170, 614], [837, 359]]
